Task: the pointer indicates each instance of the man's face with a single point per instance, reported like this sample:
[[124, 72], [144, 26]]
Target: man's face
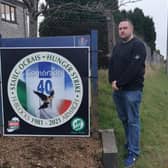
[[125, 30]]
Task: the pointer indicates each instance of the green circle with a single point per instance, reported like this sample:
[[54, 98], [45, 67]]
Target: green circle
[[78, 124]]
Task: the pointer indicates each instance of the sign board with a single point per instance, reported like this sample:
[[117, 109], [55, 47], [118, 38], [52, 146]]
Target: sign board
[[45, 91]]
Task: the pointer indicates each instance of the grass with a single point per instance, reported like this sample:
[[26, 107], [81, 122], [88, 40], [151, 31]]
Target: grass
[[154, 119]]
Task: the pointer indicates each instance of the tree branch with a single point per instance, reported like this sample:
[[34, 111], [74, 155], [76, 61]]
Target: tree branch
[[90, 6], [27, 3], [124, 2]]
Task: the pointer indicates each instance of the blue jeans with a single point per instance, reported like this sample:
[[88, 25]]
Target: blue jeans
[[127, 105]]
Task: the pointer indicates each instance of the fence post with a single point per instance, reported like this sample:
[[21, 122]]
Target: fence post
[[167, 49], [94, 79], [94, 60], [1, 125]]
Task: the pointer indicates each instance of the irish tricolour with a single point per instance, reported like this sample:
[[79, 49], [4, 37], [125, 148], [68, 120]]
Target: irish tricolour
[[45, 89]]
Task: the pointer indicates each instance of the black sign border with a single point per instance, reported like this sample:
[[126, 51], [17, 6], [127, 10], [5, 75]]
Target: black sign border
[[85, 80]]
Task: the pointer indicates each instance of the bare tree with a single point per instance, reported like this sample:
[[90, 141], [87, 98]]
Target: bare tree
[[34, 11], [93, 6]]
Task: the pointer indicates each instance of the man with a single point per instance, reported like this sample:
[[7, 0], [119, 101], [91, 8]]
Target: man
[[126, 76]]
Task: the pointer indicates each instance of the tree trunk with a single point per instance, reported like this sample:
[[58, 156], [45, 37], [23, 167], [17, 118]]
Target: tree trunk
[[32, 26], [110, 30], [32, 6]]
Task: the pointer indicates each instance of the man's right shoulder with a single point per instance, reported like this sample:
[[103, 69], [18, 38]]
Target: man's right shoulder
[[139, 42]]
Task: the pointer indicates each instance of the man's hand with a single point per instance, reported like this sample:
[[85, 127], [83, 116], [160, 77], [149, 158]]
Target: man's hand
[[114, 86]]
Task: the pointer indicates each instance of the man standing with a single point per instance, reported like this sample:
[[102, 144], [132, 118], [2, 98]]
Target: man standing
[[126, 76]]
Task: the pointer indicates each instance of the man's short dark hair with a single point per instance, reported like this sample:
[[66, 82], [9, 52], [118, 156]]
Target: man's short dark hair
[[127, 20]]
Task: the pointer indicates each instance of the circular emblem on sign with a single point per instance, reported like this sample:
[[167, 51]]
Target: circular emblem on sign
[[78, 124], [45, 89]]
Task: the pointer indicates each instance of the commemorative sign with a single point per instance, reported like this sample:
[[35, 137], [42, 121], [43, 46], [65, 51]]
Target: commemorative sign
[[45, 91]]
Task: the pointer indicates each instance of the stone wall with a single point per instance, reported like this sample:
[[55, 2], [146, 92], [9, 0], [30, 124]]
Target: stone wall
[[154, 58], [148, 54]]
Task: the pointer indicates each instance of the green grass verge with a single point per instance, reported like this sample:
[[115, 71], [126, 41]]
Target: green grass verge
[[154, 119]]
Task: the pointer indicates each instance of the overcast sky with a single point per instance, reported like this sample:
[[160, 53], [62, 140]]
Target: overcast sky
[[158, 10]]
